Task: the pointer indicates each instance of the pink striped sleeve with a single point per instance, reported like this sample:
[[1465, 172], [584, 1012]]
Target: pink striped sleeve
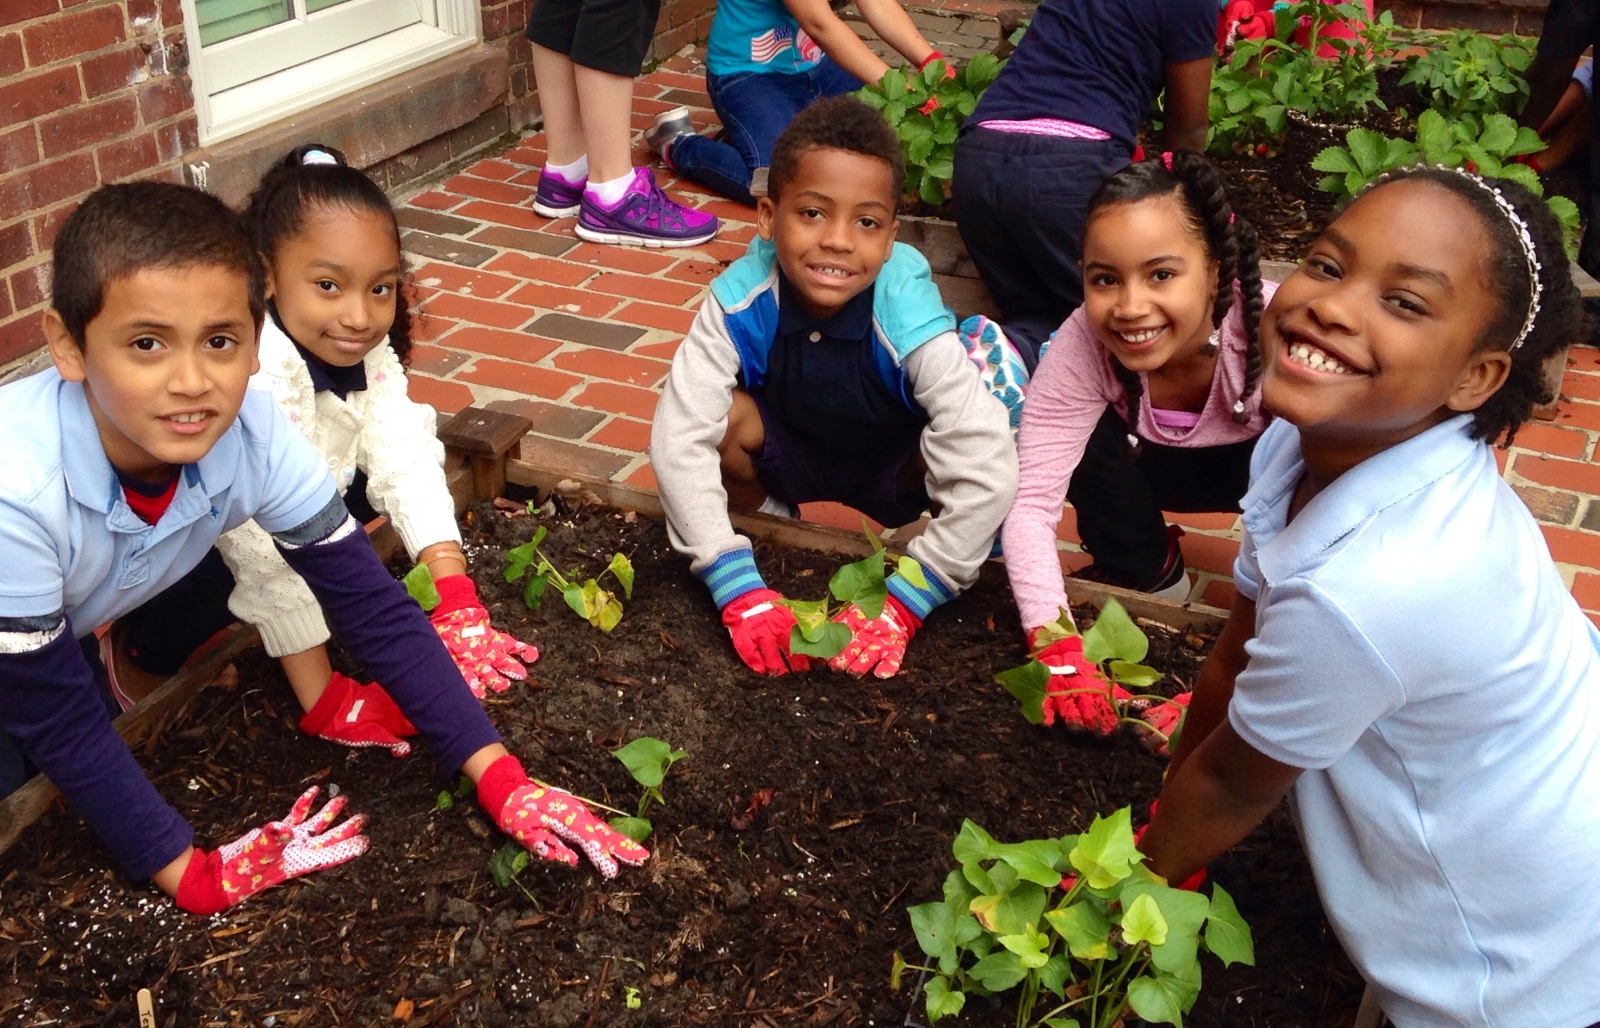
[[1066, 398]]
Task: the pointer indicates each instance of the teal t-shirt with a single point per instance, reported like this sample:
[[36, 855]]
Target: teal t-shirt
[[758, 35]]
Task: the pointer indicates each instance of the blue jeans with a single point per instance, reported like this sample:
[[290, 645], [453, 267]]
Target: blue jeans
[[755, 108]]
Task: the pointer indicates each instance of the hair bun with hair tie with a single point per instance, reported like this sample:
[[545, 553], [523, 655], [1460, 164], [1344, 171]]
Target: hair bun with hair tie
[[315, 157]]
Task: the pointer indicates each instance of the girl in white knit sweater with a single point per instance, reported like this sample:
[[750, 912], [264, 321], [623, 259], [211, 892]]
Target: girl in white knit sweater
[[332, 353]]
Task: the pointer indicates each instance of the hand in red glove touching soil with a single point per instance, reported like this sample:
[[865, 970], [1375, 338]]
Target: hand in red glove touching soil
[[760, 626], [1078, 693], [488, 658]]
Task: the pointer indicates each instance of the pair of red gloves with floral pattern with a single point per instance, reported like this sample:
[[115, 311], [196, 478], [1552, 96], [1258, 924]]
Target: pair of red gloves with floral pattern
[[761, 625]]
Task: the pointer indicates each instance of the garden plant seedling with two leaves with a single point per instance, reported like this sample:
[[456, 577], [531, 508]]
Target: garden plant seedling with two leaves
[[648, 761], [1079, 919], [600, 607], [1116, 645], [862, 583]]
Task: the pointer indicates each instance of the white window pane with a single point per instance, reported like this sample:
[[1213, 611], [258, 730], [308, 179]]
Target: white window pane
[[226, 19]]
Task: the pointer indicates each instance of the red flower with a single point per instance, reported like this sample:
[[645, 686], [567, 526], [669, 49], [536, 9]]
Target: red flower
[[1472, 166], [930, 106]]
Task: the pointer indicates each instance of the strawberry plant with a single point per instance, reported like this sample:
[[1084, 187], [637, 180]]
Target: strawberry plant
[[1116, 645], [1245, 115], [926, 111], [863, 583], [600, 607], [648, 761], [1488, 148], [1077, 924]]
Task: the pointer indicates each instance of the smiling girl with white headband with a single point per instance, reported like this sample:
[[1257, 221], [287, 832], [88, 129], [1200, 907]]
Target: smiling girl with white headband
[[1404, 658]]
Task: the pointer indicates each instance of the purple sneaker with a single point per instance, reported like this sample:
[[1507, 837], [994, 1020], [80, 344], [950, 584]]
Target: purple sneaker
[[645, 216], [558, 198]]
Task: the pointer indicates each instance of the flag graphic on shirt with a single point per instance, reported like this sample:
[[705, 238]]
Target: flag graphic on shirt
[[767, 46], [809, 50]]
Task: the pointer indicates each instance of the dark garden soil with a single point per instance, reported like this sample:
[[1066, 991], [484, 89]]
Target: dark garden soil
[[786, 915]]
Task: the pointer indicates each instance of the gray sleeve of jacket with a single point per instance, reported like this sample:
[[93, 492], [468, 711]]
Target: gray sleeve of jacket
[[691, 419], [971, 457]]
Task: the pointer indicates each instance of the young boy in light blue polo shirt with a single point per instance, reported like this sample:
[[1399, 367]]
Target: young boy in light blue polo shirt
[[1404, 659], [125, 463]]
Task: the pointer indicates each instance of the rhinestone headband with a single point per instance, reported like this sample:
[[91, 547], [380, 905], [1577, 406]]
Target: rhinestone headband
[[1525, 237]]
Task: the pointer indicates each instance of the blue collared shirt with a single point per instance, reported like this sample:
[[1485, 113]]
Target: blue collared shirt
[[1417, 652], [69, 542]]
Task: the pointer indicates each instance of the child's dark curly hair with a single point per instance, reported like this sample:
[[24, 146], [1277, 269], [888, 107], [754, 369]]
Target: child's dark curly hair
[[313, 176], [836, 123], [1228, 238], [1561, 318]]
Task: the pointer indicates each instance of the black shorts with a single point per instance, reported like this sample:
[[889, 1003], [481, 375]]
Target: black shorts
[[606, 35], [887, 486]]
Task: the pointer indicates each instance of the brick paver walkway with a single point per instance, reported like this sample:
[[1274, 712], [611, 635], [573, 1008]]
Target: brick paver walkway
[[518, 314]]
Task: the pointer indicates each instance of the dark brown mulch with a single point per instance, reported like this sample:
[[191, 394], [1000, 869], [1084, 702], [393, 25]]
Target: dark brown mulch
[[788, 921]]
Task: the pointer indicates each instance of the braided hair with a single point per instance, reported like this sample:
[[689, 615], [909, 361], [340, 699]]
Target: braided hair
[[1228, 239], [1560, 318], [312, 176]]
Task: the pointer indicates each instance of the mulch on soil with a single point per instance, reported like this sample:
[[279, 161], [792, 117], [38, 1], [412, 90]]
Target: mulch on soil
[[786, 915]]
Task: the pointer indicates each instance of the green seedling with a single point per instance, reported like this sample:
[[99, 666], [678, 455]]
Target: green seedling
[[648, 761], [1116, 645], [419, 583], [600, 607], [448, 798], [631, 998], [1079, 919], [863, 583]]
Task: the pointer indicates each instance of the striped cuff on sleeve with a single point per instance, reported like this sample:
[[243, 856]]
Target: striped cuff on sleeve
[[920, 601], [731, 575]]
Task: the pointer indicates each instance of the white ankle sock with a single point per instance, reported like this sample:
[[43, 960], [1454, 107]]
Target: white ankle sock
[[575, 172], [609, 193]]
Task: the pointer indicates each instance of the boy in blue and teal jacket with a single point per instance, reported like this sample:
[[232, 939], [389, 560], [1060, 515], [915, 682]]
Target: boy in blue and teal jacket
[[825, 366]]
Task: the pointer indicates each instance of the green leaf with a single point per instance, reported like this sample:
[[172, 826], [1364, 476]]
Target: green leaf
[[1142, 921], [909, 569], [1136, 675], [1105, 854], [503, 865], [1085, 929], [897, 969], [1054, 974], [577, 599], [998, 971], [1011, 912], [941, 932], [1226, 933], [830, 642], [1366, 146], [609, 615], [981, 70], [973, 844], [932, 190], [1158, 1000], [1522, 175], [1335, 158], [1062, 1022], [810, 616], [1353, 182], [419, 583], [1185, 912], [636, 828], [622, 568], [1028, 684], [445, 801], [1527, 141], [647, 760], [630, 998], [1114, 634], [958, 892], [1499, 132], [1029, 946], [942, 1001], [1433, 135], [893, 82], [519, 557], [533, 592], [861, 583]]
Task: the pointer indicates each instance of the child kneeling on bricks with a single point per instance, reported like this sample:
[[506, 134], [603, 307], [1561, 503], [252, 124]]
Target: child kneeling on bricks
[[1403, 654], [824, 366], [332, 354], [157, 299]]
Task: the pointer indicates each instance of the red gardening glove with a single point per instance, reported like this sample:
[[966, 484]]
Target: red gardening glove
[[1167, 717], [760, 626], [1191, 883], [352, 714], [1077, 692], [485, 655], [539, 817], [273, 853], [878, 645]]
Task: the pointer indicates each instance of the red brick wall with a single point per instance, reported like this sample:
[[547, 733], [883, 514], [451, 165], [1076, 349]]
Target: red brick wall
[[96, 91], [1522, 16], [90, 94]]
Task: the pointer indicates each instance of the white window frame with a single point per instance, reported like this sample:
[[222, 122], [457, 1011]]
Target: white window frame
[[268, 75]]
